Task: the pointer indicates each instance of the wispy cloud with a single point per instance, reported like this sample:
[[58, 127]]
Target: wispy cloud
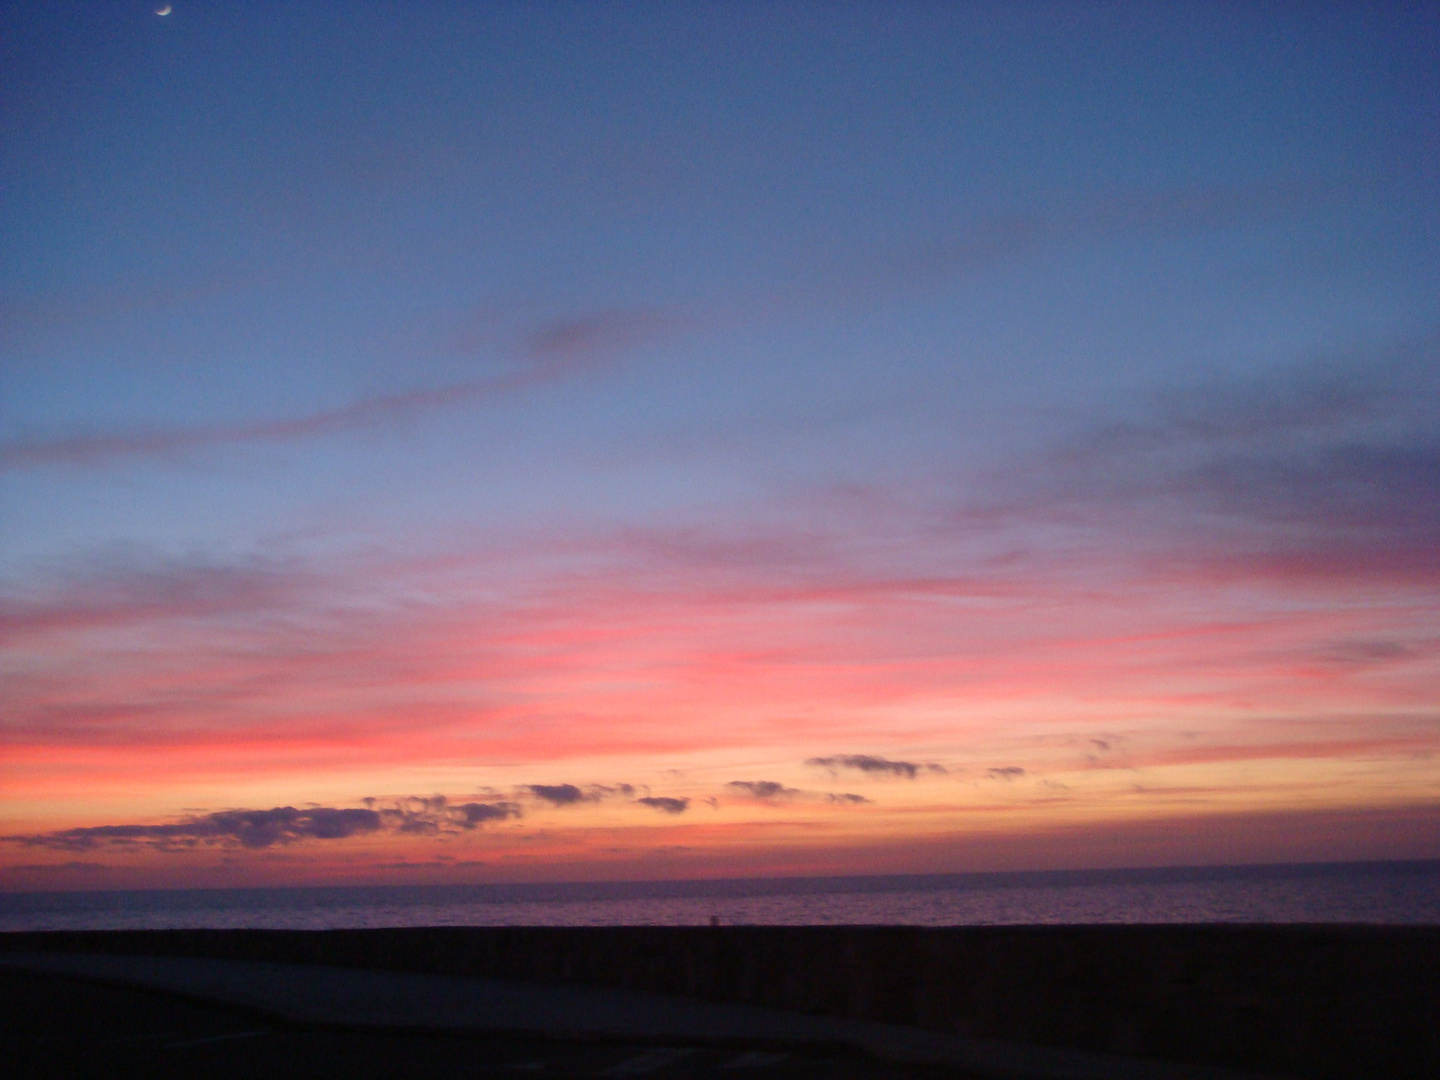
[[1326, 469], [566, 346], [697, 636], [560, 349], [130, 587], [97, 449], [599, 334]]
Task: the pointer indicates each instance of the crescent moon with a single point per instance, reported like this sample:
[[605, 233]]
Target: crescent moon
[[164, 10]]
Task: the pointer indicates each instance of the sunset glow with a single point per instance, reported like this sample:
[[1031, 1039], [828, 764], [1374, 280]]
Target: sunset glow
[[490, 443]]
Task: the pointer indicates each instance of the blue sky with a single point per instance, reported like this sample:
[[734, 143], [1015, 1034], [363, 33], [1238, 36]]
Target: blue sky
[[432, 316]]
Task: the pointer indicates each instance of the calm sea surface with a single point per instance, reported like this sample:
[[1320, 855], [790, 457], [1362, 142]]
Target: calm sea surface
[[1391, 892]]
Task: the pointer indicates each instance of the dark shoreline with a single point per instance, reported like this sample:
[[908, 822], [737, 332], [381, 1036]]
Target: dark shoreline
[[1303, 1000]]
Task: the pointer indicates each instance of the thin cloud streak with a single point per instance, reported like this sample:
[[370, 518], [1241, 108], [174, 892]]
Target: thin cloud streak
[[559, 350], [101, 449], [567, 346], [304, 683], [1328, 470], [128, 589]]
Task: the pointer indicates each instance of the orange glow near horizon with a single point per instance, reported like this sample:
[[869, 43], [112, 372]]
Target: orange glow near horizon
[[1004, 711], [546, 441]]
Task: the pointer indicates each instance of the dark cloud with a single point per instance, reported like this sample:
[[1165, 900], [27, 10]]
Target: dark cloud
[[771, 791], [868, 763], [665, 804], [1348, 489], [557, 794], [571, 794], [1007, 772], [472, 814], [428, 816], [279, 825], [245, 828], [1322, 469]]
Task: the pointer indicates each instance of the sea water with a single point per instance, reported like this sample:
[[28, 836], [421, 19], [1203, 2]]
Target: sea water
[[1375, 892]]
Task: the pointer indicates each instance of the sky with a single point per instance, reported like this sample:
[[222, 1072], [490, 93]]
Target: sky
[[463, 442]]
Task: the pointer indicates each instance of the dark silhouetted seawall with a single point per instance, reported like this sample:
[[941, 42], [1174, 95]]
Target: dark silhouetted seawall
[[1310, 1001]]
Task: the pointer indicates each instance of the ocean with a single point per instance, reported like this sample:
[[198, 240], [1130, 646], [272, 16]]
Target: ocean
[[1372, 892]]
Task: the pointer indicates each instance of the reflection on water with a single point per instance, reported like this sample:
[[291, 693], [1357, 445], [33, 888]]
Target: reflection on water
[[1406, 892]]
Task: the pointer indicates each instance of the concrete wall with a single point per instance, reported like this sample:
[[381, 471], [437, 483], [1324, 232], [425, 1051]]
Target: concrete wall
[[1316, 1001]]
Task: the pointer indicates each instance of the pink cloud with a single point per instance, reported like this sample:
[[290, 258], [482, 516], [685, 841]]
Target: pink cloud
[[640, 661]]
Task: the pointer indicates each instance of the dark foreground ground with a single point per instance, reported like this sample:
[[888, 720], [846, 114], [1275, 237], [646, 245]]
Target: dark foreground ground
[[57, 1027], [1322, 1002]]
